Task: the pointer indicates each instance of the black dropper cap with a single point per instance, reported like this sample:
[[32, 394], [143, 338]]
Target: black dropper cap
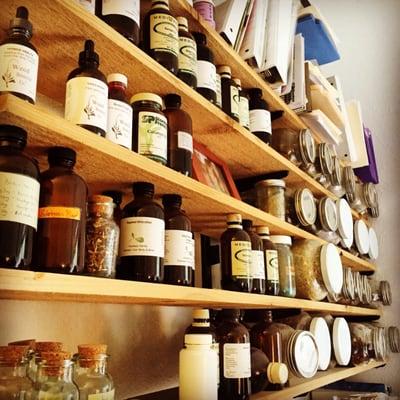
[[21, 21], [61, 156], [172, 200], [247, 224], [172, 100], [230, 313], [116, 195], [88, 55], [139, 188], [12, 133], [200, 38], [255, 92]]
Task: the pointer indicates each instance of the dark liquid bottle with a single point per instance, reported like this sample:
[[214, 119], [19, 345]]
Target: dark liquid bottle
[[260, 117], [235, 256], [244, 113], [180, 140], [141, 248], [116, 195], [235, 359], [62, 215], [123, 16], [179, 243], [19, 199], [271, 262], [160, 35], [187, 58], [86, 100], [257, 268], [229, 92], [259, 366]]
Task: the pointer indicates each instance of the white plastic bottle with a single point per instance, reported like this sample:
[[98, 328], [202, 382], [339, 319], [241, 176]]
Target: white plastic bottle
[[198, 364]]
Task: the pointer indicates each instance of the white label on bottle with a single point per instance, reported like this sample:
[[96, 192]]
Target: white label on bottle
[[50, 396], [187, 55], [18, 69], [88, 4], [19, 199], [86, 102], [102, 396], [142, 236], [164, 33], [128, 8], [119, 125], [153, 135], [219, 90], [185, 141], [271, 258], [179, 248], [244, 112], [257, 266], [237, 360], [260, 121], [206, 75], [234, 101], [241, 258]]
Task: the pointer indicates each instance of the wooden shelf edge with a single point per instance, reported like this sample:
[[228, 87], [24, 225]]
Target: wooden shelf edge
[[321, 379]]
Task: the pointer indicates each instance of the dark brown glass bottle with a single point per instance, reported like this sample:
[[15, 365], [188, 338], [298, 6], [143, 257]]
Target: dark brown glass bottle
[[257, 263], [179, 243], [116, 195], [180, 140], [123, 16], [271, 262], [160, 35], [259, 365], [62, 215], [19, 199], [234, 345], [235, 256], [229, 92], [187, 58], [141, 248]]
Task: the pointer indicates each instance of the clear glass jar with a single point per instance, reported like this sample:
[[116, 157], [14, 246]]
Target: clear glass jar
[[300, 321], [287, 276], [381, 292], [102, 237], [326, 224], [270, 195], [361, 342], [370, 195], [301, 209], [393, 338], [336, 186], [324, 164]]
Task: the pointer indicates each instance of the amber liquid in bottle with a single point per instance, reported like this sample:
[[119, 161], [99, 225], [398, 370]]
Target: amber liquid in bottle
[[187, 57], [62, 215], [259, 365]]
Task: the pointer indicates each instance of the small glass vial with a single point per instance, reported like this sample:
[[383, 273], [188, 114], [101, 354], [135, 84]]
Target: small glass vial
[[116, 195], [150, 127], [119, 125], [91, 374], [244, 112], [206, 9], [102, 238], [271, 197], [187, 58], [260, 117], [230, 92]]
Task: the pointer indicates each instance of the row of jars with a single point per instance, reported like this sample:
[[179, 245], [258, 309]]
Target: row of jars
[[33, 370]]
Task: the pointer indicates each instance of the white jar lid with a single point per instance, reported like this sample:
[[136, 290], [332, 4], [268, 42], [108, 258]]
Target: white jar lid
[[319, 328], [281, 239], [373, 251], [306, 354], [328, 214], [361, 236], [341, 341], [348, 242], [345, 219], [331, 268]]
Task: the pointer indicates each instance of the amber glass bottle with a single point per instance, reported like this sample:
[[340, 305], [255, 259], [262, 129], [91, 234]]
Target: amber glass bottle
[[235, 256], [19, 198], [235, 359], [180, 140], [62, 215], [187, 57], [230, 92], [257, 262], [160, 35], [179, 243], [141, 248]]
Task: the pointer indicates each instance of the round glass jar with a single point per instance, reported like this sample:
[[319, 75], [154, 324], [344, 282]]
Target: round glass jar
[[326, 224], [360, 342], [370, 195], [341, 339], [361, 238], [270, 196], [300, 321], [301, 208], [349, 183], [381, 292], [324, 164], [393, 338], [336, 186]]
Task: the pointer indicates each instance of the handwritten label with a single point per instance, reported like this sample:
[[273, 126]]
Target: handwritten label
[[60, 212]]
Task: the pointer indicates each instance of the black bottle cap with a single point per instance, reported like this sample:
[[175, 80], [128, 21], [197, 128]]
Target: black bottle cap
[[227, 313], [171, 200], [172, 100], [13, 133], [21, 21], [88, 54], [255, 92], [247, 224], [199, 37], [116, 195], [142, 188], [58, 154]]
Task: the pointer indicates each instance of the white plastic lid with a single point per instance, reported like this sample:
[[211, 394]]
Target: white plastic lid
[[341, 341], [277, 373], [262, 230], [201, 313], [373, 251], [361, 236], [345, 219], [331, 268], [306, 354], [201, 339], [319, 328], [281, 239], [117, 78]]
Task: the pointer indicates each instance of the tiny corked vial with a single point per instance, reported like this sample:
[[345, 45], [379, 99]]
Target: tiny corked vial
[[206, 9], [187, 57], [119, 121], [102, 237], [150, 127], [19, 59], [86, 99], [260, 117], [244, 112], [229, 92]]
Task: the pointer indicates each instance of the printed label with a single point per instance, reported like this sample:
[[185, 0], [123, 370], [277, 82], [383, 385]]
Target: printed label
[[18, 69], [142, 236], [260, 121], [88, 4], [128, 8], [257, 266], [241, 256], [187, 55], [271, 258], [60, 212], [234, 101], [237, 360], [19, 199], [244, 112], [179, 248], [206, 75], [153, 135], [50, 396], [185, 141], [102, 396], [119, 125], [86, 102], [164, 33], [219, 90]]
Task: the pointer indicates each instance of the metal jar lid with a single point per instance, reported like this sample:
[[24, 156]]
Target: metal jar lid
[[304, 204], [307, 146], [370, 195], [361, 235], [349, 182], [337, 175], [304, 354], [325, 158], [345, 219], [272, 183], [328, 214]]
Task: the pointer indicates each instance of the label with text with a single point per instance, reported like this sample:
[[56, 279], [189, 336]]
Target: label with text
[[241, 258], [164, 33], [260, 121], [128, 8], [185, 141], [60, 212], [187, 55], [234, 101], [257, 266], [119, 125], [237, 360], [206, 75], [179, 248], [271, 258], [244, 112]]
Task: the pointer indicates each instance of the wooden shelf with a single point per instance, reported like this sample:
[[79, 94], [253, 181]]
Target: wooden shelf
[[300, 386], [28, 285], [106, 165]]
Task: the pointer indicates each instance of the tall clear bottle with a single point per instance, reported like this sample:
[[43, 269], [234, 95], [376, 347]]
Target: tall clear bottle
[[187, 58]]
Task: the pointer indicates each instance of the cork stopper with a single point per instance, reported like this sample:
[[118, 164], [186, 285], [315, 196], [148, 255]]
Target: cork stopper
[[48, 347], [101, 205], [53, 361], [277, 373], [224, 70], [31, 343], [89, 354], [262, 230], [13, 354], [234, 219]]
